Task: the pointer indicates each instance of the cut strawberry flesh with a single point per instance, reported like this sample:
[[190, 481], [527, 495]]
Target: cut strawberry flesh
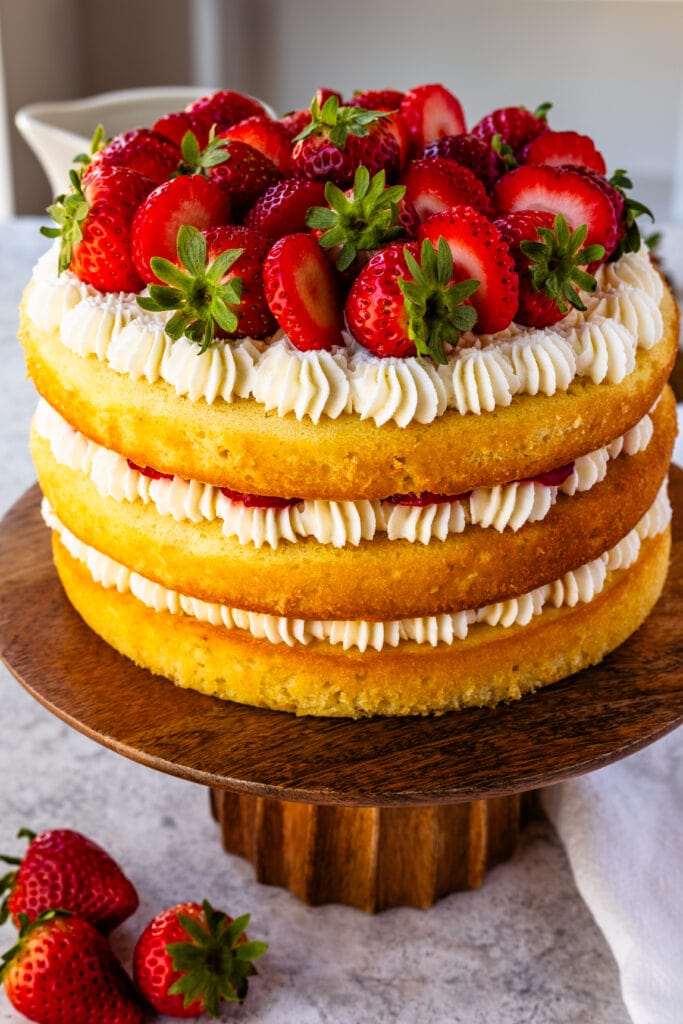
[[303, 292]]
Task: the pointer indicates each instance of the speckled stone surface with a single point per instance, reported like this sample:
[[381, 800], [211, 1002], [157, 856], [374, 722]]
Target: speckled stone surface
[[523, 949]]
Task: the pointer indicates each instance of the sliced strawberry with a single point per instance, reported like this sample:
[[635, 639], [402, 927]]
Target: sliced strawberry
[[244, 174], [225, 108], [515, 125], [141, 149], [548, 258], [430, 111], [559, 190], [469, 151], [268, 136], [178, 123], [94, 222], [303, 292], [356, 222], [405, 302], [478, 252], [189, 199], [215, 285], [282, 208], [259, 500], [559, 148], [436, 183]]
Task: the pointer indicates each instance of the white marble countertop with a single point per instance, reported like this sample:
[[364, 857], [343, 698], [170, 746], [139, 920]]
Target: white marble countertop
[[523, 949]]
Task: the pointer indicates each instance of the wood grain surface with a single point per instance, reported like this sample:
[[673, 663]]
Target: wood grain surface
[[579, 724]]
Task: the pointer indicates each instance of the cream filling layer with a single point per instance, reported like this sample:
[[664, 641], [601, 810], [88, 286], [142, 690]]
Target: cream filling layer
[[339, 523], [579, 586], [482, 372]]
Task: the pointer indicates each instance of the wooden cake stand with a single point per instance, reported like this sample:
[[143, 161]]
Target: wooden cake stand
[[373, 813]]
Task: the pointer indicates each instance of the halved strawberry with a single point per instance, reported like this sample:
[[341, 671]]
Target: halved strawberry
[[559, 148], [469, 151], [225, 108], [548, 257], [514, 125], [337, 139], [436, 183], [282, 208], [429, 112], [559, 190], [303, 292], [215, 285], [478, 252], [189, 199], [268, 136], [406, 302], [356, 222], [141, 149], [94, 222]]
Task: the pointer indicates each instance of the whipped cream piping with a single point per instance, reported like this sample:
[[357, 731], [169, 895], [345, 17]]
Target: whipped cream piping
[[482, 373], [579, 586], [339, 523]]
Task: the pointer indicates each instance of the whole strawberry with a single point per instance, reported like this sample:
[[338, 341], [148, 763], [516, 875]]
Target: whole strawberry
[[514, 126], [549, 258], [215, 286], [65, 869], [339, 138], [62, 971], [406, 302], [225, 108], [142, 149], [190, 957], [94, 222]]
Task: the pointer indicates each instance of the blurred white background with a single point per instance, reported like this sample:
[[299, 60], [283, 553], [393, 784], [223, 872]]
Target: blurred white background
[[612, 68]]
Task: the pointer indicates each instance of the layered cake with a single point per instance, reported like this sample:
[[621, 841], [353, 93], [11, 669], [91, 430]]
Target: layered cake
[[355, 411]]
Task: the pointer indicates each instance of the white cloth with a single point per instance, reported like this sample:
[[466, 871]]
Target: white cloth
[[622, 829]]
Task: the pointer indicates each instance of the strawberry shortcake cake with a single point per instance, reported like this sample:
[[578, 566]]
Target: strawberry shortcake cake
[[356, 411]]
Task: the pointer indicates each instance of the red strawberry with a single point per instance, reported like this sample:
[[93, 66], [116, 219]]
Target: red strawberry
[[430, 111], [95, 227], [558, 148], [559, 190], [323, 93], [62, 971], [406, 302], [436, 183], [268, 136], [225, 108], [189, 957], [244, 174], [366, 217], [146, 151], [303, 292], [377, 99], [515, 125], [215, 285], [337, 139], [176, 125], [548, 258], [282, 208], [295, 121], [469, 151], [189, 199], [65, 869], [480, 253]]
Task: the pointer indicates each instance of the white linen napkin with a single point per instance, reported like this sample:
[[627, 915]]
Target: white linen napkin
[[622, 829]]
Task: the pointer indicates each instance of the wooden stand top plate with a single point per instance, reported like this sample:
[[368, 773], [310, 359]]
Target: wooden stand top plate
[[597, 716]]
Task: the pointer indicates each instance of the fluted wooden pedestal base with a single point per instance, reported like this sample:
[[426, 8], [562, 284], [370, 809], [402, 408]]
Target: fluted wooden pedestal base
[[368, 857]]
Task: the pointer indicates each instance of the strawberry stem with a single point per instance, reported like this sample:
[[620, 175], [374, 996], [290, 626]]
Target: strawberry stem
[[338, 122], [200, 296], [216, 963], [555, 263], [434, 303], [68, 211]]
